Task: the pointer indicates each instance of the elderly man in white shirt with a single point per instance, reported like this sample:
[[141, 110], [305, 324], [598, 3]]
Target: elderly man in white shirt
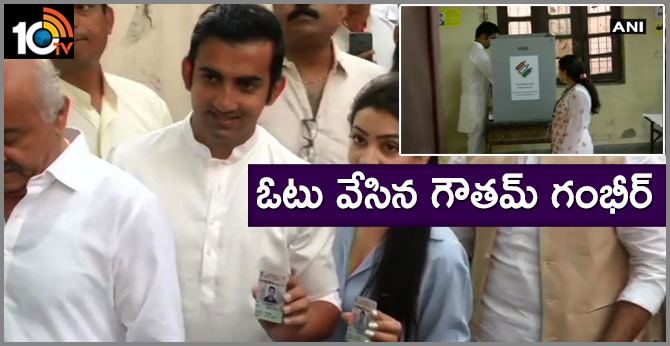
[[199, 169], [310, 118], [108, 109], [476, 77], [514, 303], [360, 18], [89, 256]]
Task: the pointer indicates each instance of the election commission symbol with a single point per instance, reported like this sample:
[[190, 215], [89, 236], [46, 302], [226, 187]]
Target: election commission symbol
[[44, 37]]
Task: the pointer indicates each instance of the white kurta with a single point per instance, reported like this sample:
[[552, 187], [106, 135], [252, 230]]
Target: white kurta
[[129, 110], [89, 256], [512, 301], [284, 119], [219, 256]]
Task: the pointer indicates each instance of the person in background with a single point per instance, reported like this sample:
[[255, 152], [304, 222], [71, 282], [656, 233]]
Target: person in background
[[108, 109], [198, 167], [309, 118], [566, 284], [89, 255], [389, 12], [359, 18], [419, 276], [573, 111], [476, 77]]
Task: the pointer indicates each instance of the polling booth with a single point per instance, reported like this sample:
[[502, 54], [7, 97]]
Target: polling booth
[[524, 77], [524, 89]]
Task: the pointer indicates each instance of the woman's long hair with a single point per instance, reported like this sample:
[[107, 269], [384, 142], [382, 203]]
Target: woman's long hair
[[397, 271], [574, 67]]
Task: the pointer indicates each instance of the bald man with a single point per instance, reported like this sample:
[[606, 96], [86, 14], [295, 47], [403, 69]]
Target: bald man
[[88, 254]]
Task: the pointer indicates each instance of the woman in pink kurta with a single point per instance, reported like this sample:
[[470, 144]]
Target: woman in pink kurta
[[573, 111]]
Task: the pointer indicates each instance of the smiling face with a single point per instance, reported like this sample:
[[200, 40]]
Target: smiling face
[[229, 85]]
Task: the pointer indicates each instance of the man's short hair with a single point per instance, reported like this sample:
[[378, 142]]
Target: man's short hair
[[241, 24], [487, 28]]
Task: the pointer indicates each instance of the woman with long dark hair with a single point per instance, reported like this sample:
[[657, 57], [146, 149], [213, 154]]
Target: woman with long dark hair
[[419, 276], [573, 111]]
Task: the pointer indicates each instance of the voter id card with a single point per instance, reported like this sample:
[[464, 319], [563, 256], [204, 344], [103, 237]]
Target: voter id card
[[270, 300], [362, 317]]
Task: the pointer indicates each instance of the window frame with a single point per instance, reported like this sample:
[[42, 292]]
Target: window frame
[[579, 17]]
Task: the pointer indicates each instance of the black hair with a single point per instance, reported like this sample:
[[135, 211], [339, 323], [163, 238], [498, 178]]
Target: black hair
[[382, 94], [486, 28], [241, 24], [396, 60], [397, 273], [574, 68]]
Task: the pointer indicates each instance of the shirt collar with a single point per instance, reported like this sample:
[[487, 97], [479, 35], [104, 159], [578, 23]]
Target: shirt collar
[[478, 45], [239, 153], [341, 63], [69, 167], [82, 97]]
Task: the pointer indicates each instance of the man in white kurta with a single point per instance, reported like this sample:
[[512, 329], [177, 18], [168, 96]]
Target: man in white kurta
[[89, 255], [107, 109], [310, 118], [513, 301], [198, 167], [380, 28], [476, 77]]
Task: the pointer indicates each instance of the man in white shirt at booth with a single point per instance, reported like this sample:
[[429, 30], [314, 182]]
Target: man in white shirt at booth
[[476, 77], [108, 109], [198, 167], [89, 255]]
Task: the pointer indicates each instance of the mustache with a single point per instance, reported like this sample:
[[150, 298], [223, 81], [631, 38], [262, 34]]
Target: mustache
[[306, 10], [11, 166]]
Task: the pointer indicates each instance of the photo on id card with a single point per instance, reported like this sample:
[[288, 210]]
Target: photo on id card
[[270, 300], [362, 312]]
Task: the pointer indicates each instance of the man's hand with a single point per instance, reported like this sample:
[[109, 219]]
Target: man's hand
[[296, 307], [367, 55], [384, 328], [628, 323]]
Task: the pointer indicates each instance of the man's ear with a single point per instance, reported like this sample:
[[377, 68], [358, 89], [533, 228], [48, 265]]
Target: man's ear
[[277, 90], [109, 15], [187, 73], [61, 117]]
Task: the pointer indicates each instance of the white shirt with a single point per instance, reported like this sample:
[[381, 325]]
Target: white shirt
[[89, 256], [382, 39], [284, 118], [388, 11], [512, 303], [129, 110], [476, 76], [220, 257]]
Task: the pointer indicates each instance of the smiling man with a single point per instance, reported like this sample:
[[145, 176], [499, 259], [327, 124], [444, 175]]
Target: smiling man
[[199, 169], [108, 109]]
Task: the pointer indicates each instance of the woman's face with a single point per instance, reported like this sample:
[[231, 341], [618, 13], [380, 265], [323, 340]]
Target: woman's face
[[375, 139]]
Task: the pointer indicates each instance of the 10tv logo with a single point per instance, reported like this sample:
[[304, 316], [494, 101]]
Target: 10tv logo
[[39, 32]]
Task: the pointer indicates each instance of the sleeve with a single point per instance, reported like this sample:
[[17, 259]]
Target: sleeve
[[483, 64], [146, 285], [578, 108], [311, 256], [646, 249], [446, 302]]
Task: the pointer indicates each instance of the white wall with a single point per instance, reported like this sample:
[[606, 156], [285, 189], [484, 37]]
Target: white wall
[[149, 48]]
